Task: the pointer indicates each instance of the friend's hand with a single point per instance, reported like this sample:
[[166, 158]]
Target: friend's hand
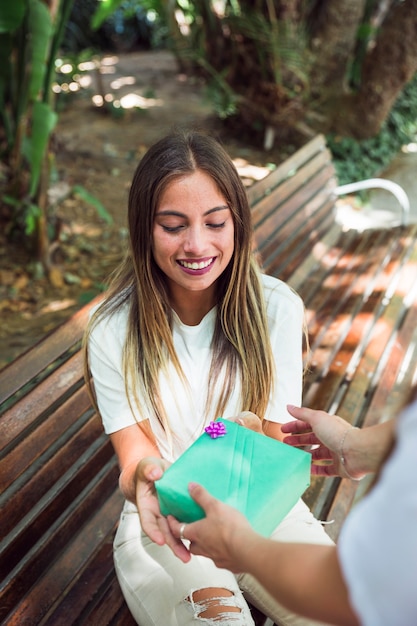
[[325, 433], [220, 535], [153, 523]]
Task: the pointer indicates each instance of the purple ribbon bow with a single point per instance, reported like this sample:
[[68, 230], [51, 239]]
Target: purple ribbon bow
[[216, 429]]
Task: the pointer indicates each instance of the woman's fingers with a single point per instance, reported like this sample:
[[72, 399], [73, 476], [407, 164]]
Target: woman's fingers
[[249, 420]]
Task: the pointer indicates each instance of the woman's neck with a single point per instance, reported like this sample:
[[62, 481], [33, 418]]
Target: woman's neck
[[192, 307]]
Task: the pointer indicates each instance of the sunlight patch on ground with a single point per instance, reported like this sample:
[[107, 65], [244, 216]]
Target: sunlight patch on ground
[[98, 101], [129, 101], [65, 87], [365, 217], [250, 173], [87, 66], [85, 81], [57, 305], [89, 230], [122, 81], [133, 100], [109, 61], [410, 147]]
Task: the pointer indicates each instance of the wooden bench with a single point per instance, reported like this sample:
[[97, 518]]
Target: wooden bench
[[360, 294], [60, 501]]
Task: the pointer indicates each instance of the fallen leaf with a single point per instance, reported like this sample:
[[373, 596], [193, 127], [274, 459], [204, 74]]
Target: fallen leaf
[[56, 278]]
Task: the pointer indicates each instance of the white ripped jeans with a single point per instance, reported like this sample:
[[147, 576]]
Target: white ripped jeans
[[160, 590]]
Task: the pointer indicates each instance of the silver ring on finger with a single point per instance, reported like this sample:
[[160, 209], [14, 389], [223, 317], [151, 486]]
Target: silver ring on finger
[[182, 528]]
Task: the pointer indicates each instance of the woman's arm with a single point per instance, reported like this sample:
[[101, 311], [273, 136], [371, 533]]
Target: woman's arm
[[141, 465], [273, 429], [131, 446]]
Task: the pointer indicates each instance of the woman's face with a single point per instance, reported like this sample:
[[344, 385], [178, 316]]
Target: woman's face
[[193, 234]]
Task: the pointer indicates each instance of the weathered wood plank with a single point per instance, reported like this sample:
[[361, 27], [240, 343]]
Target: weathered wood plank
[[33, 362]]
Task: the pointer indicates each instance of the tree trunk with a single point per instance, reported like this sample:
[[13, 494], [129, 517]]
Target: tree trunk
[[308, 66], [387, 68], [332, 42]]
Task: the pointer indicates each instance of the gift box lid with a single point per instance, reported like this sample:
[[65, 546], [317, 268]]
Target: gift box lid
[[260, 476]]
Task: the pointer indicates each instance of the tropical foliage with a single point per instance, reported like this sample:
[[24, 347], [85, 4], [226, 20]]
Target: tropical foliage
[[30, 35]]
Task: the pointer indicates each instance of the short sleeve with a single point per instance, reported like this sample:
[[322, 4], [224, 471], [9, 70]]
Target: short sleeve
[[285, 312], [105, 349]]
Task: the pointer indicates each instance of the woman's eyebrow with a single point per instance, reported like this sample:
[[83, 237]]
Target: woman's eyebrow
[[222, 207], [179, 214]]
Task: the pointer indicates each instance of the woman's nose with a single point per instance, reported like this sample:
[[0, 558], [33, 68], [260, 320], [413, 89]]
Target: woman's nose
[[194, 240]]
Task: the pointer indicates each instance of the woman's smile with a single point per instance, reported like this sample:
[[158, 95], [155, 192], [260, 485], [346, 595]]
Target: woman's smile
[[196, 267]]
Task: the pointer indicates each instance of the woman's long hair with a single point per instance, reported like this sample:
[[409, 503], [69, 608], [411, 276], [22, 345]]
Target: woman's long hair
[[241, 341]]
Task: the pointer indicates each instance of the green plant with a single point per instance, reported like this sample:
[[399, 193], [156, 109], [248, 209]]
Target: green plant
[[356, 160], [85, 195], [30, 35]]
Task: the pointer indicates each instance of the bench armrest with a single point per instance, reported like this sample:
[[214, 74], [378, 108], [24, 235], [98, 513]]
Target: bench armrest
[[381, 183]]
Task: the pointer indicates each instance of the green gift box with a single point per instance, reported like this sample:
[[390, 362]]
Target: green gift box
[[260, 476]]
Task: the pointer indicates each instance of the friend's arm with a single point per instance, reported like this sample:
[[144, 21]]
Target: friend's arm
[[306, 578]]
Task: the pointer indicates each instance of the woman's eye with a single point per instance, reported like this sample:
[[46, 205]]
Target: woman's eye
[[216, 225], [171, 229]]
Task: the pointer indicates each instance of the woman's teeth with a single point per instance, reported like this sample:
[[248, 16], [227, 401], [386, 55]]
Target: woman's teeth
[[196, 266]]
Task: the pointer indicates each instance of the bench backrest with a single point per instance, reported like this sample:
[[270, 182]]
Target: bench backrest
[[293, 208]]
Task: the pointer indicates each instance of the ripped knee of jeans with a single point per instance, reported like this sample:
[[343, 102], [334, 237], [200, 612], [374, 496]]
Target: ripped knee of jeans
[[216, 605]]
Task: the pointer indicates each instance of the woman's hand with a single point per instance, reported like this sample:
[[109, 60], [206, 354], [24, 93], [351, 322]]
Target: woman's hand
[[248, 420], [153, 523]]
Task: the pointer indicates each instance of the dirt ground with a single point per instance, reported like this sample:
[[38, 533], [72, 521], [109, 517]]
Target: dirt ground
[[100, 151]]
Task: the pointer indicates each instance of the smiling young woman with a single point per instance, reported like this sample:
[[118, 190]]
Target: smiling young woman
[[190, 330]]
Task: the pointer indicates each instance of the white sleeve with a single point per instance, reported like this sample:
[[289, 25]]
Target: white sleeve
[[285, 317], [378, 542], [105, 350]]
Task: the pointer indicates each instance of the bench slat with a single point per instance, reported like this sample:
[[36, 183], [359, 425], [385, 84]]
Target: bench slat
[[313, 178], [386, 402], [43, 491], [282, 259], [333, 345], [33, 604], [95, 597], [44, 437], [34, 361], [23, 416], [308, 152]]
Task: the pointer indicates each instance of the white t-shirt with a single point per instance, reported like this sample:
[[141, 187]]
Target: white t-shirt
[[378, 542], [186, 409]]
